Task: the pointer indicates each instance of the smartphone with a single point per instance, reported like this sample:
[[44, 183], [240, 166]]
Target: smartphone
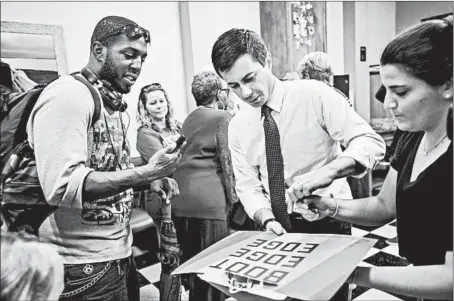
[[179, 142]]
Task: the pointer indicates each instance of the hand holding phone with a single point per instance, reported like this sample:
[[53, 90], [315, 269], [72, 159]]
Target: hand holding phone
[[165, 160], [178, 143]]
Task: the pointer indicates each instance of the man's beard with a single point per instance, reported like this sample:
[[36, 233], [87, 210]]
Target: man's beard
[[109, 73]]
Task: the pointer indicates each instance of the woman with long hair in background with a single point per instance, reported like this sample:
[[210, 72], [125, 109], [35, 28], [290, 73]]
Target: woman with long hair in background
[[157, 129]]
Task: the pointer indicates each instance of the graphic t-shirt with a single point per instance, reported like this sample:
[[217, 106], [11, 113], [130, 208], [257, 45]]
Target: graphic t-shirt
[[110, 153], [67, 148]]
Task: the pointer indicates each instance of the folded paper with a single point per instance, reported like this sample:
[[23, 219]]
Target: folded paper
[[252, 265]]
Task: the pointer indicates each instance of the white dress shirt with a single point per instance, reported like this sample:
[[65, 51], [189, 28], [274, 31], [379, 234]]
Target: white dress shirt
[[313, 120]]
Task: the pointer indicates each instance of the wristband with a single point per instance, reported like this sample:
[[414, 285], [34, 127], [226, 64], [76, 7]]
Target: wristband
[[337, 209], [272, 219]]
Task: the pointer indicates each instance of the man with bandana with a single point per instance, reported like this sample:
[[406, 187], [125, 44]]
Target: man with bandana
[[85, 169]]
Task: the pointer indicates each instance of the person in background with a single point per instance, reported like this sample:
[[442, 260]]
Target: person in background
[[318, 66], [205, 178], [225, 101], [157, 124], [290, 136], [158, 128], [94, 191], [30, 270], [416, 69], [291, 76]]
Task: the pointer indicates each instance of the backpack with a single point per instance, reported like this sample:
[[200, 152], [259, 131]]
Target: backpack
[[22, 201]]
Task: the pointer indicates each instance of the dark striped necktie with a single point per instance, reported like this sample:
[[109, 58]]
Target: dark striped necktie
[[275, 165]]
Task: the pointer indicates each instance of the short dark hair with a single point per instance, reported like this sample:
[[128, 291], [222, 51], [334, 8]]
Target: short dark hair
[[424, 50], [205, 87], [234, 43], [108, 25]]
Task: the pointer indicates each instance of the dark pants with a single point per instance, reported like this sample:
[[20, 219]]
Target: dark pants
[[195, 235], [327, 226], [114, 280], [359, 187]]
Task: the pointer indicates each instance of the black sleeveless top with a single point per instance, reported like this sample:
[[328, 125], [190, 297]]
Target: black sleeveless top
[[424, 207]]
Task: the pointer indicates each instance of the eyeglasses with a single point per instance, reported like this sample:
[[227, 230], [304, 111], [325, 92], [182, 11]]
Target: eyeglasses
[[151, 87], [132, 31], [226, 90]]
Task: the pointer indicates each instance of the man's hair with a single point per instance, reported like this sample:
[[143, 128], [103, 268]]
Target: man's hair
[[234, 43], [315, 65], [108, 25], [205, 87], [424, 50]]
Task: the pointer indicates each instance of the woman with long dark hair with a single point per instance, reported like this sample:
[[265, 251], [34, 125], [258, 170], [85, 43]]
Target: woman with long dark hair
[[416, 70]]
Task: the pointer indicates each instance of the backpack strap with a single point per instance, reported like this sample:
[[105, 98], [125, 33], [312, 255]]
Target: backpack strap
[[94, 94], [96, 114]]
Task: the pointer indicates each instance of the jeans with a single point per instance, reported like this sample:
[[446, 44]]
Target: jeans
[[195, 235], [114, 280]]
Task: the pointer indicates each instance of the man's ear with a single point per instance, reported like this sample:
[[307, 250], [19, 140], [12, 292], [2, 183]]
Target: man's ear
[[99, 51], [447, 90], [269, 61]]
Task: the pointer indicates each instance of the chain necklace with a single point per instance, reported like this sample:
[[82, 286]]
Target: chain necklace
[[426, 152]]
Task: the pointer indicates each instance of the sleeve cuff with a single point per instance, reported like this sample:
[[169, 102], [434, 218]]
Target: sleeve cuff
[[73, 194], [255, 205], [364, 159]]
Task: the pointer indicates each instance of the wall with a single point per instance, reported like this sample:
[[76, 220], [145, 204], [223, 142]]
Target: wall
[[381, 28], [411, 12], [335, 35], [164, 62], [206, 21], [349, 40], [369, 24], [210, 19]]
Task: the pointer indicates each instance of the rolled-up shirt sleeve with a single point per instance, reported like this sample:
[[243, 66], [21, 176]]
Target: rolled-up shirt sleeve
[[58, 132], [345, 125], [249, 188]]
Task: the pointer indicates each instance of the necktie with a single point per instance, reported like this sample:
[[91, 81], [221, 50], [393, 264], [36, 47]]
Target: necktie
[[275, 165]]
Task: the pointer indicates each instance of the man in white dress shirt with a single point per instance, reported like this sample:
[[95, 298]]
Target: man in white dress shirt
[[312, 119], [318, 65]]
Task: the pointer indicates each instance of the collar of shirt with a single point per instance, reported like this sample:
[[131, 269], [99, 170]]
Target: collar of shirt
[[276, 98]]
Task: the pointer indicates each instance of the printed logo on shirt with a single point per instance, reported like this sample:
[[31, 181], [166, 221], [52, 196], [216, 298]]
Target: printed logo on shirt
[[108, 155]]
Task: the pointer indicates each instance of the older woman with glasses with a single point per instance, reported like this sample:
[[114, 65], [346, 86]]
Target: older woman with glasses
[[205, 178], [157, 129]]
